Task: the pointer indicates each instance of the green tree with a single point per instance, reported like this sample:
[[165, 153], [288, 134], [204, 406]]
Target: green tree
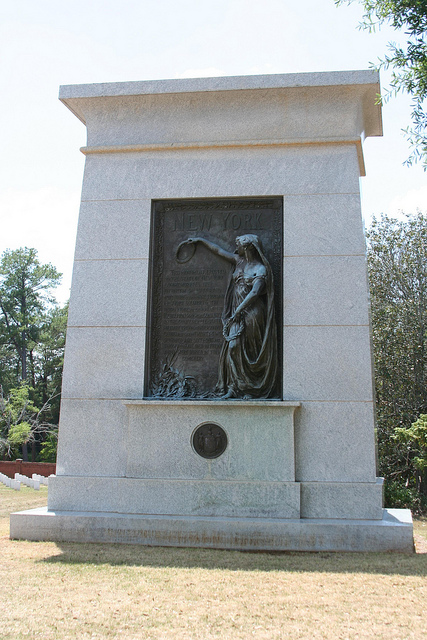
[[397, 265], [32, 338], [409, 63], [25, 294], [49, 447], [47, 360], [415, 439], [21, 421]]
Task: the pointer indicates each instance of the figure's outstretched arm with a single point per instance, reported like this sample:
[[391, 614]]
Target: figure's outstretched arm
[[216, 249]]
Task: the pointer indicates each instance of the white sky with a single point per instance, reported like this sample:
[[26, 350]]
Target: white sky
[[45, 43]]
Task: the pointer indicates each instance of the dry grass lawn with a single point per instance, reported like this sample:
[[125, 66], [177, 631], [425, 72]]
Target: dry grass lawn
[[61, 591]]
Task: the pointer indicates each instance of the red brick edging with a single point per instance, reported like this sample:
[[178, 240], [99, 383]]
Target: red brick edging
[[26, 468]]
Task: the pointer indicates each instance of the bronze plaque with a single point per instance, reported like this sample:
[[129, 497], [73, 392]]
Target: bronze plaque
[[193, 245]]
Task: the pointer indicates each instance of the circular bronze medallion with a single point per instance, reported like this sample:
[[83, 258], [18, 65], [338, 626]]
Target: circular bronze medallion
[[209, 440]]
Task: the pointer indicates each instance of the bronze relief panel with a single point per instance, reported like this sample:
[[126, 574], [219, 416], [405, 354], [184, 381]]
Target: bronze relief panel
[[214, 318]]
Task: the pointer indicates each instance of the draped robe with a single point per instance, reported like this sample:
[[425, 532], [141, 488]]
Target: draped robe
[[248, 359]]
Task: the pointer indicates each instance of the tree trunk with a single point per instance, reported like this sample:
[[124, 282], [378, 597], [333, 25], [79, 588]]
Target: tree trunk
[[25, 452], [32, 369], [423, 483], [24, 357]]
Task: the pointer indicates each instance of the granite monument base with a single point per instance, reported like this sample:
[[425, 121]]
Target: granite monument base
[[392, 533], [247, 498]]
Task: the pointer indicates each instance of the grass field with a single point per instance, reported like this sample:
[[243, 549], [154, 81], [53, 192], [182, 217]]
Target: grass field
[[61, 591]]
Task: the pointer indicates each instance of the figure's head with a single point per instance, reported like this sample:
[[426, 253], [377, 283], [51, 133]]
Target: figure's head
[[248, 240]]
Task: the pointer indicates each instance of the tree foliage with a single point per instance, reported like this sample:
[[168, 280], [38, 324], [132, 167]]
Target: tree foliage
[[25, 287], [408, 64], [21, 422], [32, 339], [415, 439], [397, 265]]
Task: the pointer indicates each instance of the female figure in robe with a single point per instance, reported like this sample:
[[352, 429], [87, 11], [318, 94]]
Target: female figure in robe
[[248, 359]]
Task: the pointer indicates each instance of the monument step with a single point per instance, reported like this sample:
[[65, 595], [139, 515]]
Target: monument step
[[392, 533]]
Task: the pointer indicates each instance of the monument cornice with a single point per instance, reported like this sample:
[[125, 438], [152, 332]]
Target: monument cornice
[[179, 146], [245, 111], [222, 83]]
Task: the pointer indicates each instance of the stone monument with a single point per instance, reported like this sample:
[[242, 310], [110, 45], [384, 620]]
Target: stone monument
[[217, 385]]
